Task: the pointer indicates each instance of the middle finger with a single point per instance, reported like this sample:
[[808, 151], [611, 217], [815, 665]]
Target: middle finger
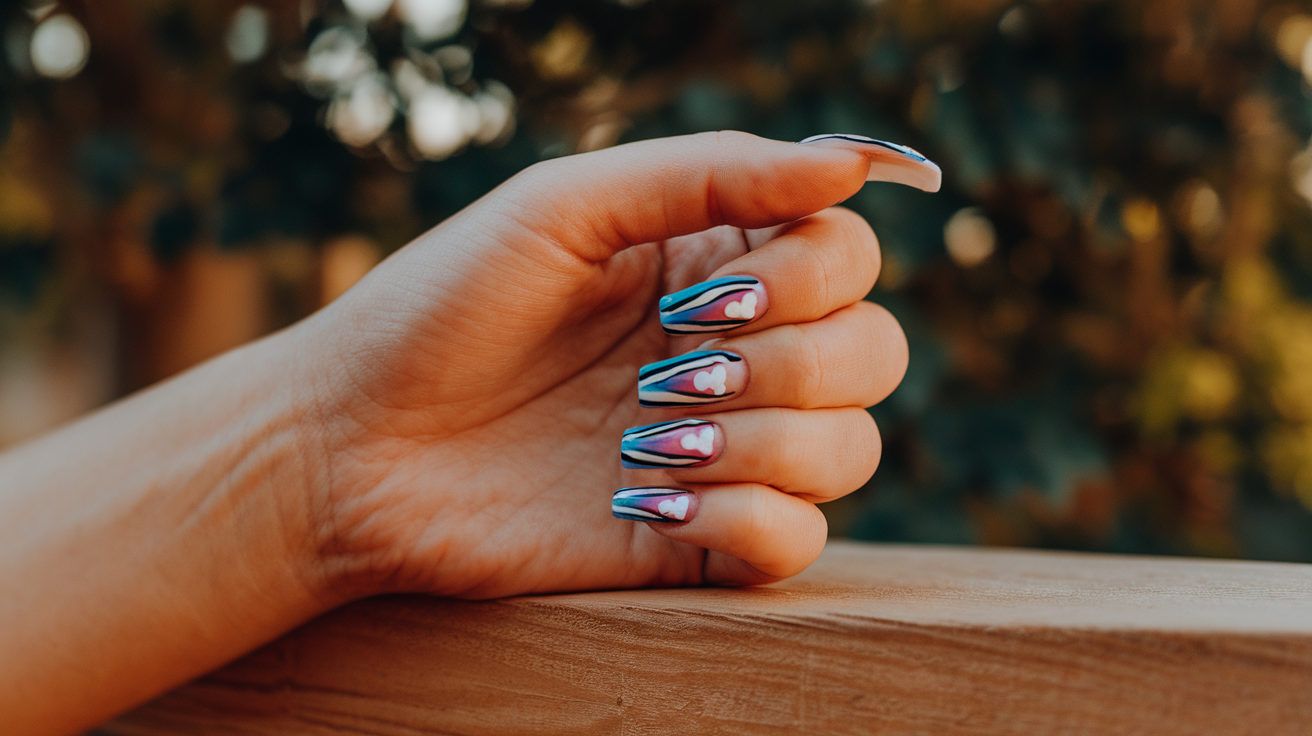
[[853, 357]]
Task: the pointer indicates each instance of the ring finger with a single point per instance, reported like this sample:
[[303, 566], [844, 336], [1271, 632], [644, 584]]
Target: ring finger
[[817, 455]]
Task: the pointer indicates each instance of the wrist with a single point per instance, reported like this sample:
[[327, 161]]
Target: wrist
[[288, 467], [334, 457], [374, 477], [182, 514]]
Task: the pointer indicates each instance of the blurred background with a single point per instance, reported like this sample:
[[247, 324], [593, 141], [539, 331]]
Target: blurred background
[[1109, 305]]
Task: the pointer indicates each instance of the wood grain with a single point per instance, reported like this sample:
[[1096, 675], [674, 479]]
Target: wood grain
[[871, 639]]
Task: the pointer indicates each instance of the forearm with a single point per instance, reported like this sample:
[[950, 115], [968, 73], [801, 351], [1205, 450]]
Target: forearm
[[154, 540]]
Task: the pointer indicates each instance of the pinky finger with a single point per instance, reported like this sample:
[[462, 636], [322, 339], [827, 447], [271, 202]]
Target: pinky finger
[[753, 533]]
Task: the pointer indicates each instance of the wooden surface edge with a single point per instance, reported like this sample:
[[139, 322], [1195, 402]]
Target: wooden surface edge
[[777, 660]]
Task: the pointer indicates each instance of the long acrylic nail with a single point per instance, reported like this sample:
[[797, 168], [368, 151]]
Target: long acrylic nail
[[714, 306], [654, 504], [682, 443], [699, 377], [888, 161]]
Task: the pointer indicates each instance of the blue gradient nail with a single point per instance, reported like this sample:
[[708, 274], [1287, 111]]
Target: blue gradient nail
[[699, 377], [654, 504], [682, 443], [714, 306]]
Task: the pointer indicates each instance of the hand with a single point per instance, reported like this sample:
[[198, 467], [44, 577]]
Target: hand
[[474, 387], [452, 424]]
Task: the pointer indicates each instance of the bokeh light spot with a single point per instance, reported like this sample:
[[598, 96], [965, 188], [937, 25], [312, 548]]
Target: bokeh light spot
[[433, 19], [1210, 385], [362, 114], [1141, 219], [440, 121], [1200, 209], [335, 59], [248, 34], [368, 10], [970, 237], [564, 52], [496, 113], [59, 47], [1016, 23], [1292, 37]]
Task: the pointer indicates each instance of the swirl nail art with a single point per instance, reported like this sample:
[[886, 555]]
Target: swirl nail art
[[699, 377], [682, 443], [653, 504], [714, 306], [888, 161], [895, 147]]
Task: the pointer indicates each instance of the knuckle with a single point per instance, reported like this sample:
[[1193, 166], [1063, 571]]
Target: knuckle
[[730, 140], [771, 449], [535, 184], [535, 175], [797, 428], [854, 230]]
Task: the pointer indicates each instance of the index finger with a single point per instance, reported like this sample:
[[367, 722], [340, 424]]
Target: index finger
[[659, 189]]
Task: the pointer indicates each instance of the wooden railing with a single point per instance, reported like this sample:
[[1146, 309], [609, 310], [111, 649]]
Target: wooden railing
[[873, 639]]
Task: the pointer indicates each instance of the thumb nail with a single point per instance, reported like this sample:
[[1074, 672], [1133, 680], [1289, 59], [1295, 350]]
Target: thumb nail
[[888, 161]]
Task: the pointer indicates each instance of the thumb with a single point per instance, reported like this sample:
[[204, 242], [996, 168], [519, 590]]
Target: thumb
[[596, 204]]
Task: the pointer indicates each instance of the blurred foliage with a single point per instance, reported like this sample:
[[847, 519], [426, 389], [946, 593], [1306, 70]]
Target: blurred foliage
[[1113, 351]]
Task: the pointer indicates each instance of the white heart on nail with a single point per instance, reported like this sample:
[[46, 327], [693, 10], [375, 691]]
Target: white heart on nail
[[703, 441], [712, 380], [676, 508], [744, 308]]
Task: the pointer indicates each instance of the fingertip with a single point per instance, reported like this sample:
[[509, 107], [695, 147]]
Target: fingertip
[[776, 535], [720, 569], [803, 180], [724, 569]]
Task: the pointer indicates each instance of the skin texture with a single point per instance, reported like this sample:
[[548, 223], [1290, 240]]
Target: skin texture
[[451, 425]]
